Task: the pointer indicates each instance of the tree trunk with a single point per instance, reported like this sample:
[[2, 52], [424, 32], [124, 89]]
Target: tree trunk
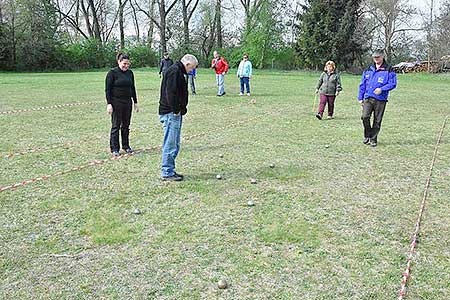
[[96, 24], [219, 23], [151, 25], [136, 23], [388, 38], [185, 24], [122, 34], [162, 29], [13, 37], [430, 36], [87, 20]]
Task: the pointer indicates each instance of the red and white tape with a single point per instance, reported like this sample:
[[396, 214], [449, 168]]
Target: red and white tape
[[17, 111], [77, 168], [66, 145], [415, 236], [103, 161]]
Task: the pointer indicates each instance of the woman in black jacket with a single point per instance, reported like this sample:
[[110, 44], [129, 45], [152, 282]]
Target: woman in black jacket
[[120, 96]]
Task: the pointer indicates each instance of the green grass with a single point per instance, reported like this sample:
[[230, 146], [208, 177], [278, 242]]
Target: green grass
[[329, 223]]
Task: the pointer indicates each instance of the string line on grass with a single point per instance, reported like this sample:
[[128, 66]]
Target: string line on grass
[[70, 144], [122, 157], [414, 240], [17, 111]]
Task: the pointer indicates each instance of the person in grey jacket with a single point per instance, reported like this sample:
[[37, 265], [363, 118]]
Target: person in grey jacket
[[164, 64], [329, 86]]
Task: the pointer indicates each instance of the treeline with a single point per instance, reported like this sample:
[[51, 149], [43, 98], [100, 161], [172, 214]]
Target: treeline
[[85, 34]]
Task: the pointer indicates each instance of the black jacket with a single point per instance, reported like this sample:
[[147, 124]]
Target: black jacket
[[164, 64], [174, 92]]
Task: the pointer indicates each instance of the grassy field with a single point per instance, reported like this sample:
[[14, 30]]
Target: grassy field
[[329, 222]]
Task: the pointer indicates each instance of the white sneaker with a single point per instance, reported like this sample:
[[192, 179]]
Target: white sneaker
[[248, 94], [241, 94]]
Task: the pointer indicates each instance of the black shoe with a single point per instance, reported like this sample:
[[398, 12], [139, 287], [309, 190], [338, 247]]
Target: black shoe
[[373, 143], [318, 116], [115, 154], [366, 141], [174, 177], [179, 175], [129, 151]]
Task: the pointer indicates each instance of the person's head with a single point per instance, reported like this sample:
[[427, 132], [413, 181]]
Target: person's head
[[123, 60], [166, 55], [216, 54], [190, 62], [330, 66], [245, 56], [378, 57]]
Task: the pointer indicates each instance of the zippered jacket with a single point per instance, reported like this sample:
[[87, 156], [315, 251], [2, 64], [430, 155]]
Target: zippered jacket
[[383, 78]]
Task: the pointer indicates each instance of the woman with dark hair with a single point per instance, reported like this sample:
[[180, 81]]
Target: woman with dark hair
[[120, 96]]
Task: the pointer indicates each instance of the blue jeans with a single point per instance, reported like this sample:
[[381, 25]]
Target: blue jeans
[[245, 81], [171, 142], [220, 83]]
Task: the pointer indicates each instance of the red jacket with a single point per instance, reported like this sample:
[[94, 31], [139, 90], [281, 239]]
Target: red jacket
[[220, 65]]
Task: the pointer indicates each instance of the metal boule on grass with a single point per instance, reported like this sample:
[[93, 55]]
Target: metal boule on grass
[[253, 101], [222, 284], [218, 177], [137, 211], [327, 146], [272, 166], [253, 181], [221, 155], [250, 203]]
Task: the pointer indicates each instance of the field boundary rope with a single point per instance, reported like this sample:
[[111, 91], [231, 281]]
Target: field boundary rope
[[17, 111], [407, 273], [122, 157]]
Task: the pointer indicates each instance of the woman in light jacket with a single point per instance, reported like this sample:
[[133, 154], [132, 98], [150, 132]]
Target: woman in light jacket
[[244, 74], [329, 86]]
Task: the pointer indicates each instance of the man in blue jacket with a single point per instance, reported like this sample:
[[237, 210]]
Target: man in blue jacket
[[377, 80]]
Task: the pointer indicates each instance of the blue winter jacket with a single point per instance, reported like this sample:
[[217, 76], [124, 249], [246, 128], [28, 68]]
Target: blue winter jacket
[[383, 78]]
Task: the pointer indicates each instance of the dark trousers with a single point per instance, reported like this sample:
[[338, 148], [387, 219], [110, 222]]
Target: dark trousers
[[371, 105], [120, 120], [324, 99], [245, 81]]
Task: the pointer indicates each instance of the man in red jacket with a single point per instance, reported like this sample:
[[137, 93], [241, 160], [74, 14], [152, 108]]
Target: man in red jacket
[[220, 65]]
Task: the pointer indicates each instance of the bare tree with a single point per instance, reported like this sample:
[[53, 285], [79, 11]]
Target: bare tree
[[161, 24], [122, 4], [251, 8], [136, 22], [188, 11], [392, 17], [218, 19]]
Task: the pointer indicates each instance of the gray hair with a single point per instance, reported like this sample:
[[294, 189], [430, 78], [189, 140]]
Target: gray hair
[[189, 59]]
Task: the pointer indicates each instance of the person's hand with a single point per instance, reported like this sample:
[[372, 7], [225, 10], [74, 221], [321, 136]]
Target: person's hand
[[316, 91], [109, 108], [136, 107], [361, 102], [377, 91], [159, 75], [337, 93], [195, 77], [224, 73]]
